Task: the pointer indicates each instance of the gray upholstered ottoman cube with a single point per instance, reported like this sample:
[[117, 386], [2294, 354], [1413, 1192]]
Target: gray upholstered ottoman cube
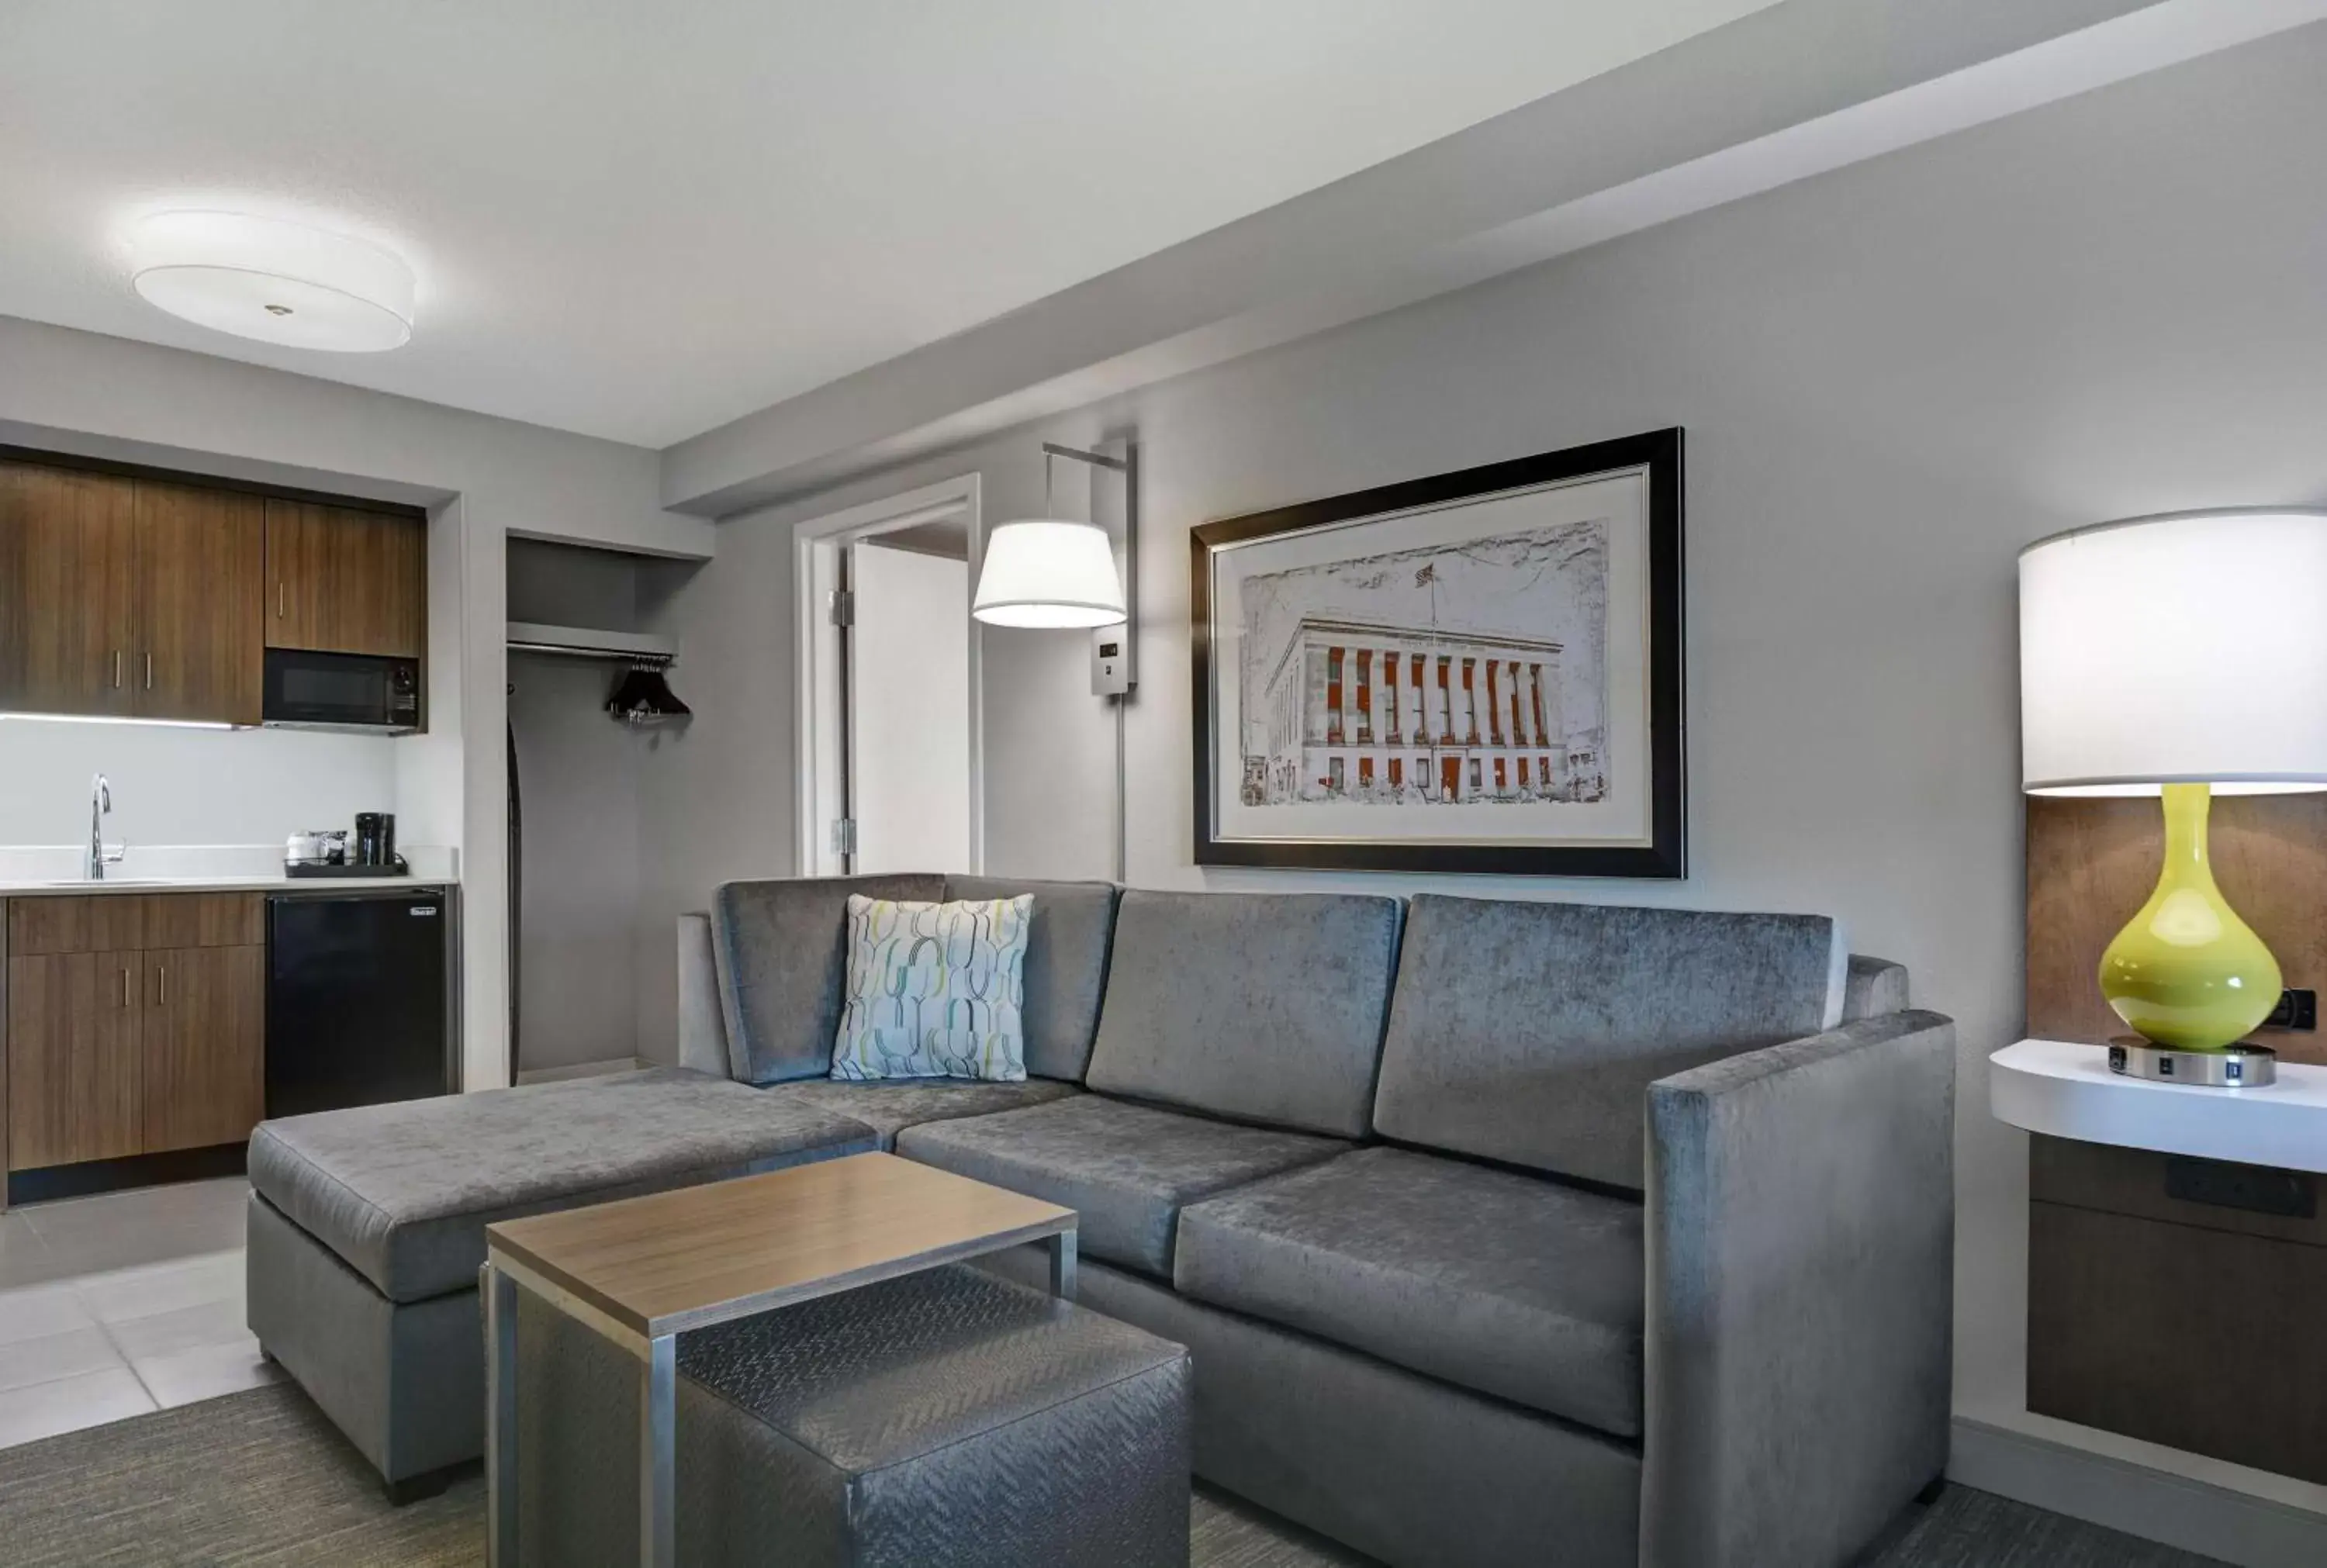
[[945, 1420]]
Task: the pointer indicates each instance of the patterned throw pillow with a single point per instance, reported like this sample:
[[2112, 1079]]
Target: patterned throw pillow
[[935, 990]]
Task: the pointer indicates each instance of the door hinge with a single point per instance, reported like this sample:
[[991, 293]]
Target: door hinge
[[844, 607], [843, 835]]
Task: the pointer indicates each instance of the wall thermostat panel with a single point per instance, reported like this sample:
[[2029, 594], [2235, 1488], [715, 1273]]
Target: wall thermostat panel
[[1111, 661]]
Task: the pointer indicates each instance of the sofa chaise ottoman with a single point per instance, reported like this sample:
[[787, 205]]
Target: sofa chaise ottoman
[[367, 1228]]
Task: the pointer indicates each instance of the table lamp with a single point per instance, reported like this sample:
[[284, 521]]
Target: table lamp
[[2180, 656]]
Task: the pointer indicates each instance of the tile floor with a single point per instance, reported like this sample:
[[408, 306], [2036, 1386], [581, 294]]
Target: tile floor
[[115, 1305]]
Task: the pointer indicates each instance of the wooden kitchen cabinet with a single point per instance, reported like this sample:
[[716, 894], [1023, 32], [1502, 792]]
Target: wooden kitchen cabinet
[[130, 595], [75, 1091], [67, 593], [136, 1024], [202, 1046], [345, 580], [98, 923], [200, 921], [200, 572]]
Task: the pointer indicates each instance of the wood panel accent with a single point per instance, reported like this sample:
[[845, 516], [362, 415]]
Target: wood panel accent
[[2126, 1320], [672, 1261], [2117, 1179], [204, 920], [343, 580], [77, 923], [67, 590], [75, 1085], [203, 1046], [2129, 1288], [2092, 863], [200, 569]]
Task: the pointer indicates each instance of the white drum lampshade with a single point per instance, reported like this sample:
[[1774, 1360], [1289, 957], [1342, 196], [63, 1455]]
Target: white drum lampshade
[[1048, 572], [2181, 649], [277, 282]]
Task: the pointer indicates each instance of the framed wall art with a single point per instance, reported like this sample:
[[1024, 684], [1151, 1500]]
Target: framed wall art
[[1478, 671]]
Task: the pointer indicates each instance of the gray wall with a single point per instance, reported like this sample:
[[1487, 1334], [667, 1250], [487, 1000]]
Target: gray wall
[[1892, 377]]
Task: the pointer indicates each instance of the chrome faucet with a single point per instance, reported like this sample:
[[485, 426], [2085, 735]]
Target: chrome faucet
[[101, 803]]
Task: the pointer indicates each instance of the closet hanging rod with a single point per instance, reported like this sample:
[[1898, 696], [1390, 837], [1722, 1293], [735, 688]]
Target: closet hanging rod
[[587, 642]]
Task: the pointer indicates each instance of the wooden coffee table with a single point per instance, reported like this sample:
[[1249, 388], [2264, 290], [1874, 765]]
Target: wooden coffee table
[[642, 1271]]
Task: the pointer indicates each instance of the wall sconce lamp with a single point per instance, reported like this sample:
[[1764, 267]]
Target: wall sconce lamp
[[1049, 572]]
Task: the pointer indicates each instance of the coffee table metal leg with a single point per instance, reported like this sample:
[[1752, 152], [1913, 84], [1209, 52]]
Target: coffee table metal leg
[[657, 1456], [1062, 1265], [499, 1292]]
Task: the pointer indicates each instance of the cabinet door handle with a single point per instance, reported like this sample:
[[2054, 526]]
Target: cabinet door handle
[[117, 669], [124, 985], [163, 999], [149, 672], [279, 601]]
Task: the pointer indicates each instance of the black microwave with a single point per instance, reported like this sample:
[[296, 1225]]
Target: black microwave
[[341, 691]]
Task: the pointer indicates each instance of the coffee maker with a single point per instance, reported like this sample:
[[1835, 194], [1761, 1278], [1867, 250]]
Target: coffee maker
[[333, 852]]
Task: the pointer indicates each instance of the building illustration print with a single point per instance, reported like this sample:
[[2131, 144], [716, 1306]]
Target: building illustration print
[[1470, 673]]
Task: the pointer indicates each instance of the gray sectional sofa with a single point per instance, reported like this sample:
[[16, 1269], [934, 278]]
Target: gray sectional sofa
[[1501, 1231]]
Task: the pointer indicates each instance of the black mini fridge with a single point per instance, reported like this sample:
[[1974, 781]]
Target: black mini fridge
[[355, 1000]]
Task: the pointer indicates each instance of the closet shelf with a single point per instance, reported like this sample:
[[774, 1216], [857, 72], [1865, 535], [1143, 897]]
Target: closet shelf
[[587, 642]]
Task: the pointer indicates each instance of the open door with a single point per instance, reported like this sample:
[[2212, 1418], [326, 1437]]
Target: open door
[[890, 692]]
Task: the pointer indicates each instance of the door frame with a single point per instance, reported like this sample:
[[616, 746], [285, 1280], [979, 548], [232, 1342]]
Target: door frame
[[816, 656]]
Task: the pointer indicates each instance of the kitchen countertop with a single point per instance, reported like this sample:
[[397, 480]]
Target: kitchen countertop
[[224, 884], [46, 871]]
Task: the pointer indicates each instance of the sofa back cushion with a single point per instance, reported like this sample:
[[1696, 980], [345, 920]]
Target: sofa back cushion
[[781, 949], [1264, 1007], [1529, 1032], [1066, 965]]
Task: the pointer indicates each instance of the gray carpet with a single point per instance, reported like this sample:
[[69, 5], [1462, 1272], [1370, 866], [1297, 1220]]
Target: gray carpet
[[261, 1481]]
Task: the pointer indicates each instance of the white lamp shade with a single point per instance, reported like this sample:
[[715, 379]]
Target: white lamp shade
[[1046, 573], [279, 282], [2175, 649]]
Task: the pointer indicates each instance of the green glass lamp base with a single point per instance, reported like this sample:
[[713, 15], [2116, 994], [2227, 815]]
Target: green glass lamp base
[[2186, 972]]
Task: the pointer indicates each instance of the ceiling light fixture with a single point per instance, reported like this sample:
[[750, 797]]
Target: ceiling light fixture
[[277, 282]]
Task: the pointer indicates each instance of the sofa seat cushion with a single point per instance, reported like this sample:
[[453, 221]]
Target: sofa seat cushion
[[1262, 1007], [890, 1105], [1066, 965], [1127, 1170], [781, 950], [1527, 1034], [403, 1192], [1493, 1280]]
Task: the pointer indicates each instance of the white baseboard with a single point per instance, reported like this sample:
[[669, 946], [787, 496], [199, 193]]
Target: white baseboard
[[2201, 1517], [581, 1069]]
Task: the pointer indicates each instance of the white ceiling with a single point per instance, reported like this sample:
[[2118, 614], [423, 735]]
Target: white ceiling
[[640, 220]]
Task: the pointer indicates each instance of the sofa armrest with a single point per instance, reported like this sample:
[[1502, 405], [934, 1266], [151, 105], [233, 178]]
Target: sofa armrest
[[702, 1028], [1800, 1216], [1873, 988]]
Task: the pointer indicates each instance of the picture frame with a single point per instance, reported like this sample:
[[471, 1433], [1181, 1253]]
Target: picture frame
[[1474, 672]]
